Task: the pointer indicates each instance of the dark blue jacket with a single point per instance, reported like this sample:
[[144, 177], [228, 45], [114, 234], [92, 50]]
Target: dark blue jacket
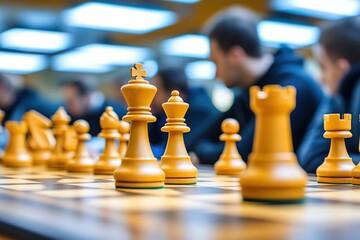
[[93, 116], [315, 148], [287, 69], [28, 99], [200, 113]]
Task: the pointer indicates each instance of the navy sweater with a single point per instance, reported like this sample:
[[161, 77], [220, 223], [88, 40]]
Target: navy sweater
[[315, 148], [287, 69], [200, 110]]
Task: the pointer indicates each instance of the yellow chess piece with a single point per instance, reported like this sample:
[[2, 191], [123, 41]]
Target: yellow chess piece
[[123, 129], [40, 138], [230, 161], [139, 167], [337, 165], [16, 154], [81, 162], [176, 162], [60, 156], [355, 173], [273, 173], [2, 115], [110, 159]]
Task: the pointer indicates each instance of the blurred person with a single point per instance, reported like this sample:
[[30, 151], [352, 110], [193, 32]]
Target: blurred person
[[200, 111], [16, 99], [338, 54], [241, 62], [84, 101]]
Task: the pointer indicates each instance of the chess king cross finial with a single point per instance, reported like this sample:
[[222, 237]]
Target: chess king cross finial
[[137, 72]]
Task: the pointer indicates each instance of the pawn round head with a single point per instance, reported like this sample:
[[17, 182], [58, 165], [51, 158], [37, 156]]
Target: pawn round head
[[124, 127], [230, 126], [81, 126], [175, 97], [109, 119]]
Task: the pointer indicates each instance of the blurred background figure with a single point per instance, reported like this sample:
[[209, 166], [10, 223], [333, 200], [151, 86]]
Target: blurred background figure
[[43, 41], [338, 54], [82, 100], [241, 62], [200, 112], [16, 99]]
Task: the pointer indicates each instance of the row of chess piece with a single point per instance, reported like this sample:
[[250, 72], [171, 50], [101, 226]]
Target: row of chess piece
[[272, 173], [33, 142]]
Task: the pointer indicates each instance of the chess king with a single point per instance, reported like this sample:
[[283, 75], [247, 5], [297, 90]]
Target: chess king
[[139, 167]]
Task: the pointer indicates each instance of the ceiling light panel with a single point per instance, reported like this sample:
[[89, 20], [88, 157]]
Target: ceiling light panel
[[35, 40], [118, 18]]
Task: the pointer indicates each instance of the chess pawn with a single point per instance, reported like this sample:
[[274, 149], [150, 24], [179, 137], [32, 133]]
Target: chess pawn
[[230, 161], [176, 162], [123, 129], [60, 156], [16, 154], [273, 172], [139, 167], [337, 165], [110, 159], [81, 162]]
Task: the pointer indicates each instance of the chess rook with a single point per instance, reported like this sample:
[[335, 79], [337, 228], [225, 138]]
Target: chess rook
[[60, 156], [337, 165], [139, 167], [176, 162], [273, 173], [355, 173], [110, 159], [16, 154], [81, 162], [230, 161], [123, 129]]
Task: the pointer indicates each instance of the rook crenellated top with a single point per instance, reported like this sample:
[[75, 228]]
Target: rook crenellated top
[[334, 122], [273, 98]]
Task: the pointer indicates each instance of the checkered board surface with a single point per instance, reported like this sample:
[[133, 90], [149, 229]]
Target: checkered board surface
[[57, 204]]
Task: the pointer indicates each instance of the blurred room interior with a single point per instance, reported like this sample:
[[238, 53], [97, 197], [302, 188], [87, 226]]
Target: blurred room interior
[[46, 41]]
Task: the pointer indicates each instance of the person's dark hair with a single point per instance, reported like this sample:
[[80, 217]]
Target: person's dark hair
[[82, 87], [341, 39], [235, 26], [173, 79]]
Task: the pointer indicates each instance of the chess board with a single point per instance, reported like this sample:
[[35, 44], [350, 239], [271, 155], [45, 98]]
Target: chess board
[[35, 202]]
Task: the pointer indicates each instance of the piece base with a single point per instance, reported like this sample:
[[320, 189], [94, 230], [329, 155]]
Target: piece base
[[80, 170], [237, 173], [284, 201], [53, 168], [339, 180], [139, 185], [104, 172], [356, 181], [180, 181], [273, 194], [14, 164]]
